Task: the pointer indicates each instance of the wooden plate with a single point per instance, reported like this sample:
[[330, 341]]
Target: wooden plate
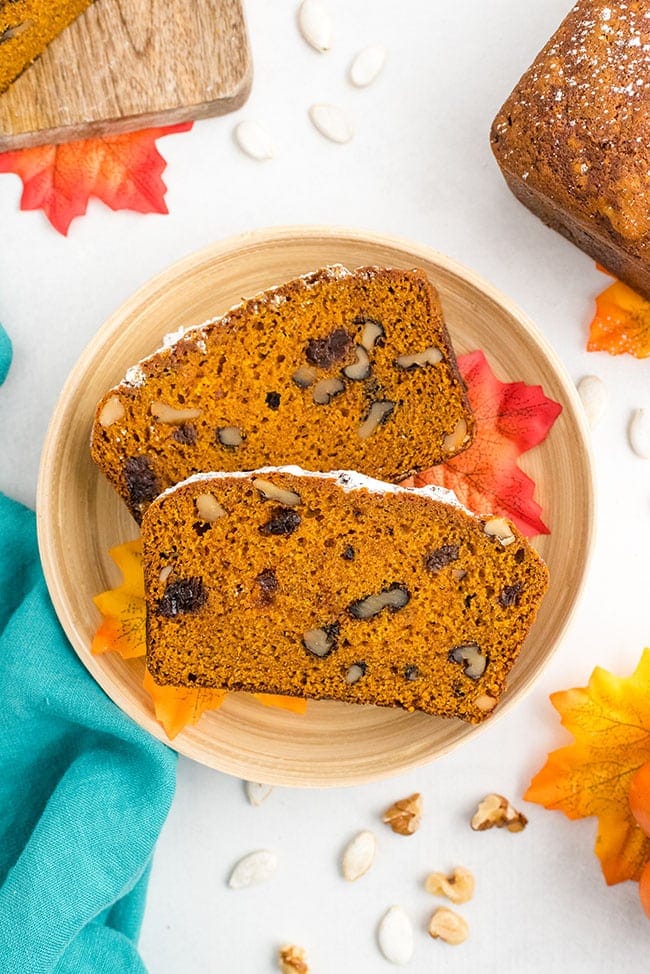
[[80, 518]]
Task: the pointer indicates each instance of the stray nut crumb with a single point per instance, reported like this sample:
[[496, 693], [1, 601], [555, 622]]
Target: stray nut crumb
[[292, 960], [404, 816], [495, 810], [458, 887], [449, 926]]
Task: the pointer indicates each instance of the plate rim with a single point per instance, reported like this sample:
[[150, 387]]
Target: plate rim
[[234, 244]]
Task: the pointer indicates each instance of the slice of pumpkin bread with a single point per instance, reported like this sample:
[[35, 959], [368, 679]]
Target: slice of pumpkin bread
[[335, 369], [336, 586]]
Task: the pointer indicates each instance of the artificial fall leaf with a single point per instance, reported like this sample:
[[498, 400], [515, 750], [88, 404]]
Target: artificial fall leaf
[[610, 721], [123, 631], [621, 323], [511, 418], [176, 707], [122, 170], [639, 797], [295, 705]]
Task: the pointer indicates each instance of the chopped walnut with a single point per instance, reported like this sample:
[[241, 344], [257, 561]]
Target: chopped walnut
[[459, 887], [292, 960], [495, 810], [404, 816], [447, 925]]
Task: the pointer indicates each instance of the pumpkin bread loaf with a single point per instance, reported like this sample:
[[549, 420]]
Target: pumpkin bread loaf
[[336, 586], [335, 369], [573, 138], [27, 27]]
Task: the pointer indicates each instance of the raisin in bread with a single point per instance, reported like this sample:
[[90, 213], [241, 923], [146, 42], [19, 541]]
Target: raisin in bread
[[335, 586], [572, 140], [335, 369], [27, 27]]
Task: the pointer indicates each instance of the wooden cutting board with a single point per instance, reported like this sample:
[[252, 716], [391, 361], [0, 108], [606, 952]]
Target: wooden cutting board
[[131, 64]]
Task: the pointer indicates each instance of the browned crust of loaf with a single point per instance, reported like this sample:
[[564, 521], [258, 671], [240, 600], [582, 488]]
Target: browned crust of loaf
[[174, 507], [614, 258], [572, 138], [170, 357]]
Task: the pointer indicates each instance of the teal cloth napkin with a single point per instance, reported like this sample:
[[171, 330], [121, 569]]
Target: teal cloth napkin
[[84, 791]]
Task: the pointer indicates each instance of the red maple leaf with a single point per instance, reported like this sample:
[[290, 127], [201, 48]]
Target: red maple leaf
[[511, 418], [122, 170]]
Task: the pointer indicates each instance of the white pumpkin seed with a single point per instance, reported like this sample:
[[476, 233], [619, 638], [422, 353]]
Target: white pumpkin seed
[[254, 141], [257, 792], [594, 396], [358, 856], [253, 869], [395, 936], [368, 65], [331, 122], [315, 25], [639, 433]]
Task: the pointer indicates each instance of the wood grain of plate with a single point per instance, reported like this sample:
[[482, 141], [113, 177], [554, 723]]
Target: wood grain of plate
[[80, 518]]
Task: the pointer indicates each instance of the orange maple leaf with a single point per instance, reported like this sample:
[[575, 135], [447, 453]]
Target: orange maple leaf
[[621, 323], [122, 170], [610, 721], [511, 418], [176, 707]]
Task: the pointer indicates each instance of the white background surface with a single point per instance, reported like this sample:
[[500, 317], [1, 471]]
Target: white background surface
[[419, 166]]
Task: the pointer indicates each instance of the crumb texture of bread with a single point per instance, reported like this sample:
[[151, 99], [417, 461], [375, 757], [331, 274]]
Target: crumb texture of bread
[[334, 370], [316, 586], [573, 138], [27, 27]]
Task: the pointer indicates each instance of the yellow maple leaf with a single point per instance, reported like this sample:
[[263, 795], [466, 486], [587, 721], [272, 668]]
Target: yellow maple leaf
[[621, 322], [610, 721], [123, 630]]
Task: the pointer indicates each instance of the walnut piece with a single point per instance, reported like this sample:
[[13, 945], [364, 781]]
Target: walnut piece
[[230, 436], [361, 368], [470, 657], [454, 440], [414, 360], [111, 411], [271, 492], [321, 642], [485, 702], [449, 926], [495, 810], [393, 598], [458, 887], [326, 389], [164, 413], [377, 415], [208, 508], [304, 377], [292, 960], [404, 816], [373, 332], [498, 527]]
